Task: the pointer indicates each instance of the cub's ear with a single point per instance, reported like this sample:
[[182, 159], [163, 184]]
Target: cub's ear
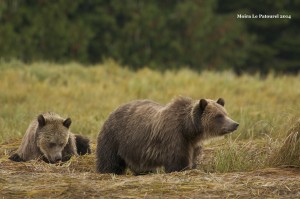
[[221, 101], [202, 104], [67, 122], [41, 120]]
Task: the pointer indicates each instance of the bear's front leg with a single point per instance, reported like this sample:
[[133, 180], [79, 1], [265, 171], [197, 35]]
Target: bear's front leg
[[196, 153], [177, 164], [69, 150]]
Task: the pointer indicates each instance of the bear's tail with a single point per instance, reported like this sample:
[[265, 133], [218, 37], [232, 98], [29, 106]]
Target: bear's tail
[[82, 145]]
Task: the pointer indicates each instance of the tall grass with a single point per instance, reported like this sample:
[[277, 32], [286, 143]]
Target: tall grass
[[288, 154], [265, 108]]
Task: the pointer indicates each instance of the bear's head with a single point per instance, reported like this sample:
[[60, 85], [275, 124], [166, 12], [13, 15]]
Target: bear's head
[[214, 119], [52, 137]]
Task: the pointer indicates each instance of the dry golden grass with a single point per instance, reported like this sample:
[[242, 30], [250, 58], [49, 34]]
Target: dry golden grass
[[288, 154], [77, 179], [234, 167]]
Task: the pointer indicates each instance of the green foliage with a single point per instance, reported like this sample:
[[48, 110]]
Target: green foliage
[[158, 34], [276, 42], [43, 30]]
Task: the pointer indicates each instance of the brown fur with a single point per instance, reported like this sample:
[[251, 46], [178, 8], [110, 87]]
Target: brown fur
[[144, 135], [48, 137]]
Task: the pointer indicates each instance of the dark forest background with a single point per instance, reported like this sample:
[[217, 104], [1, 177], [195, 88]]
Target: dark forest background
[[159, 34]]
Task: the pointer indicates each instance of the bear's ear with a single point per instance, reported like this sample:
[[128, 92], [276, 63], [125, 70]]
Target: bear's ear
[[202, 104], [41, 120], [221, 101], [67, 122]]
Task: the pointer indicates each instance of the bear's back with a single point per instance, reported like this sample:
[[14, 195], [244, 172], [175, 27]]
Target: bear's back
[[135, 110]]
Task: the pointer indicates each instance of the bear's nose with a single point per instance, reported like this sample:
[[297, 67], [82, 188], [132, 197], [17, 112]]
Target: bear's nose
[[236, 125], [57, 159]]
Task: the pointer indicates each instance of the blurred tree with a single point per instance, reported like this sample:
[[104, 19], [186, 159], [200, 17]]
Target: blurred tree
[[42, 30], [159, 34], [276, 42], [166, 34]]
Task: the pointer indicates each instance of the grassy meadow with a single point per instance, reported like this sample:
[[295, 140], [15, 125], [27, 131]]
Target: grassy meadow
[[262, 158]]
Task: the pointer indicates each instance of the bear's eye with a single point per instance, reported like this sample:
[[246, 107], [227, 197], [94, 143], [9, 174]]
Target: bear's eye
[[61, 144], [52, 144], [219, 116]]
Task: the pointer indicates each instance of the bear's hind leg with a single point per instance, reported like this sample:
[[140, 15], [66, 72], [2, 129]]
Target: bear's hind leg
[[82, 145], [120, 167], [110, 163], [137, 172], [15, 157], [143, 173], [107, 158]]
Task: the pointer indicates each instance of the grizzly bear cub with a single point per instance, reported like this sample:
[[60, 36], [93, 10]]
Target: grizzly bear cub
[[48, 137], [143, 135]]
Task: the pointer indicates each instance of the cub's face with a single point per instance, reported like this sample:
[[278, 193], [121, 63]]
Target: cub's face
[[52, 138], [214, 119]]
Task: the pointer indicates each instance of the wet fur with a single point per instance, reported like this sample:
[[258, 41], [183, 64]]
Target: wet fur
[[144, 135]]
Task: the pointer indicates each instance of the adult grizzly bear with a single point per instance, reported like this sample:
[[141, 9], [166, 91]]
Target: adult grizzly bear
[[143, 135], [48, 137]]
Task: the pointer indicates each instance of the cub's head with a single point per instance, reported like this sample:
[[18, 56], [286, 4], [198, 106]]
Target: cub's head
[[214, 118], [53, 136]]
